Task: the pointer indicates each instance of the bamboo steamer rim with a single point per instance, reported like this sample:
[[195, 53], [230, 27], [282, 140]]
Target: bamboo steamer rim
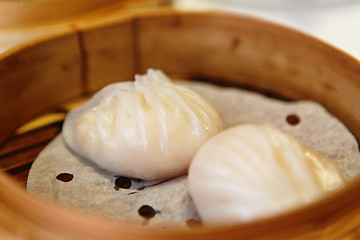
[[25, 14], [27, 215]]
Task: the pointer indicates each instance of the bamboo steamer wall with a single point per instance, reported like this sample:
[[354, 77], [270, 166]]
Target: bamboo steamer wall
[[229, 49]]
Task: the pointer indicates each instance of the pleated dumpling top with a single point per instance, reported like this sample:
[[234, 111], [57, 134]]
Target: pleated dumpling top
[[149, 128]]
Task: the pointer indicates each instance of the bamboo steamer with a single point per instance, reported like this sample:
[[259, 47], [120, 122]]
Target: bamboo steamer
[[230, 49], [26, 13], [24, 20]]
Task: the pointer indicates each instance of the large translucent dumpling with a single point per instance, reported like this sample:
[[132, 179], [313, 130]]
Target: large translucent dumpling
[[149, 128], [253, 171]]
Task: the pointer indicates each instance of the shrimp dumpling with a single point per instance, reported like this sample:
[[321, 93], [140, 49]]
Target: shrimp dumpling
[[250, 172], [149, 128]]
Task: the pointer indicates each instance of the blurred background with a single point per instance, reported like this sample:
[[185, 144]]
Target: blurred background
[[334, 21]]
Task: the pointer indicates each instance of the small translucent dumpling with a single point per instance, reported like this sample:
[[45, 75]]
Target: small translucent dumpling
[[250, 172], [149, 128]]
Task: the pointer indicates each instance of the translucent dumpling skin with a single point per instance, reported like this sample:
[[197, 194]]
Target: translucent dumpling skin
[[149, 128], [250, 172]]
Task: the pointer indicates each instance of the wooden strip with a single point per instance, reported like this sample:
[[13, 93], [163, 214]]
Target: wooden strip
[[20, 174], [18, 143], [83, 59], [18, 154], [23, 157]]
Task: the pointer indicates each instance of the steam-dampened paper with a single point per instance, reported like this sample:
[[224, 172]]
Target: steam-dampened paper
[[93, 189]]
